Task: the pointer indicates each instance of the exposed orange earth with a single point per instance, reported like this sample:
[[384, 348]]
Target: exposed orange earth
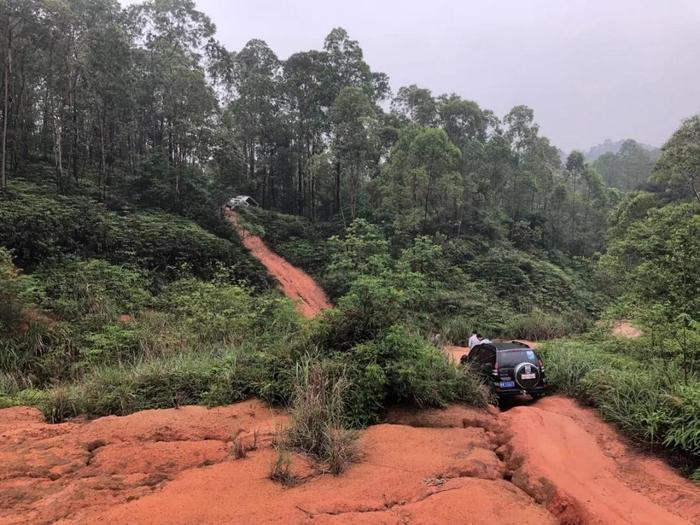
[[539, 463], [295, 283], [626, 329], [549, 462]]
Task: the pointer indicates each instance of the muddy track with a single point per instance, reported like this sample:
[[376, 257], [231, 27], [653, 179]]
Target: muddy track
[[583, 471], [294, 283], [175, 467]]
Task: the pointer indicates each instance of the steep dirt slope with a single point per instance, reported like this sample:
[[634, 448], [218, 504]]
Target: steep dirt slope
[[295, 283]]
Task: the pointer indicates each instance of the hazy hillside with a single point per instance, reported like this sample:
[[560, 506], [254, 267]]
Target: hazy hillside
[[610, 146]]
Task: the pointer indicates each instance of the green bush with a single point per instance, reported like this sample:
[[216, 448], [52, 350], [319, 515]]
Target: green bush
[[39, 226], [16, 293], [94, 290], [527, 282], [401, 367], [683, 408]]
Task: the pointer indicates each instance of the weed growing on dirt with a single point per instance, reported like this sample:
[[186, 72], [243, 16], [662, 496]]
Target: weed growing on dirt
[[317, 416], [240, 446], [281, 469]]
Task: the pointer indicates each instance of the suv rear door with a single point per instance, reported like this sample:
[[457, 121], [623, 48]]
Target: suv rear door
[[510, 359]]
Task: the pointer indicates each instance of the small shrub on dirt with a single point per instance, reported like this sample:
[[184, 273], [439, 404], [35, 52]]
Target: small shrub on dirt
[[281, 469], [416, 372], [317, 416], [60, 404], [241, 446], [239, 449]]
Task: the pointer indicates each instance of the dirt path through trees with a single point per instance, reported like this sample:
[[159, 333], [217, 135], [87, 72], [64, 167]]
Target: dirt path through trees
[[294, 283]]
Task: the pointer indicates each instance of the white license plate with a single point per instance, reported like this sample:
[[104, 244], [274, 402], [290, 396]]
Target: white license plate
[[528, 376]]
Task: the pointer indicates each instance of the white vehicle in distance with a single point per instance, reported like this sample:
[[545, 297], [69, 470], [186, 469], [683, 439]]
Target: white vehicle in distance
[[241, 201]]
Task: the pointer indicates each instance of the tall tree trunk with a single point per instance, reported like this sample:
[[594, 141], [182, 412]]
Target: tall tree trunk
[[58, 155], [74, 130], [425, 207], [264, 186], [6, 107], [336, 189], [572, 233], [103, 159]]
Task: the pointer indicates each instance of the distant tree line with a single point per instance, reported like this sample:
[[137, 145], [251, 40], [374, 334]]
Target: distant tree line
[[627, 169], [144, 103]]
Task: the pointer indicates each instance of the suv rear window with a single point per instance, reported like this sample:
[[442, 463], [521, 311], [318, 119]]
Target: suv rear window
[[515, 357]]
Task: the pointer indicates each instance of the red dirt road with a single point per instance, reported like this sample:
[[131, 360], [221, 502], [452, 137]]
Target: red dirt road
[[549, 462], [584, 472], [295, 283]]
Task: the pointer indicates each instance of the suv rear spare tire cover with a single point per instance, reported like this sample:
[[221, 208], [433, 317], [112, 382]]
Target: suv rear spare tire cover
[[526, 375]]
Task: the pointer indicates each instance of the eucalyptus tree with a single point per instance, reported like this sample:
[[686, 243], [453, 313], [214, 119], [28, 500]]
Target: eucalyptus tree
[[178, 103], [434, 154], [21, 70], [257, 109], [304, 75], [575, 164], [346, 67], [417, 104], [678, 167], [355, 127]]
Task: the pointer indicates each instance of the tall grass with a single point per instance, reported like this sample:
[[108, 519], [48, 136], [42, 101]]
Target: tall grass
[[538, 325], [317, 416]]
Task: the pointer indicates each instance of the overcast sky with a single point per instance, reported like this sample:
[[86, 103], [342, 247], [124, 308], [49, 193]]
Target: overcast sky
[[591, 70]]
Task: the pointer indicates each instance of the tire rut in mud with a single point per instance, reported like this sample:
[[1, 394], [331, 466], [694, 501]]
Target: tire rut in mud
[[577, 466]]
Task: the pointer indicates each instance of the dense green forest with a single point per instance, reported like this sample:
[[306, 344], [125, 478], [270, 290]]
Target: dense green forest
[[122, 287]]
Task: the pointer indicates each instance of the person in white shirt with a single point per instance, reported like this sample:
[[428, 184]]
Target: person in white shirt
[[484, 340], [473, 340]]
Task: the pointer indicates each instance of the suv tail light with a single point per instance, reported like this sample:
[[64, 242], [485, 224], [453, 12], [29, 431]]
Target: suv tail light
[[495, 369]]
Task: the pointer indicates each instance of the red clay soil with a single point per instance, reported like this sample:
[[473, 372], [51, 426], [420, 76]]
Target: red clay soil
[[295, 284], [455, 353], [549, 462], [175, 467], [584, 472], [626, 329]]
